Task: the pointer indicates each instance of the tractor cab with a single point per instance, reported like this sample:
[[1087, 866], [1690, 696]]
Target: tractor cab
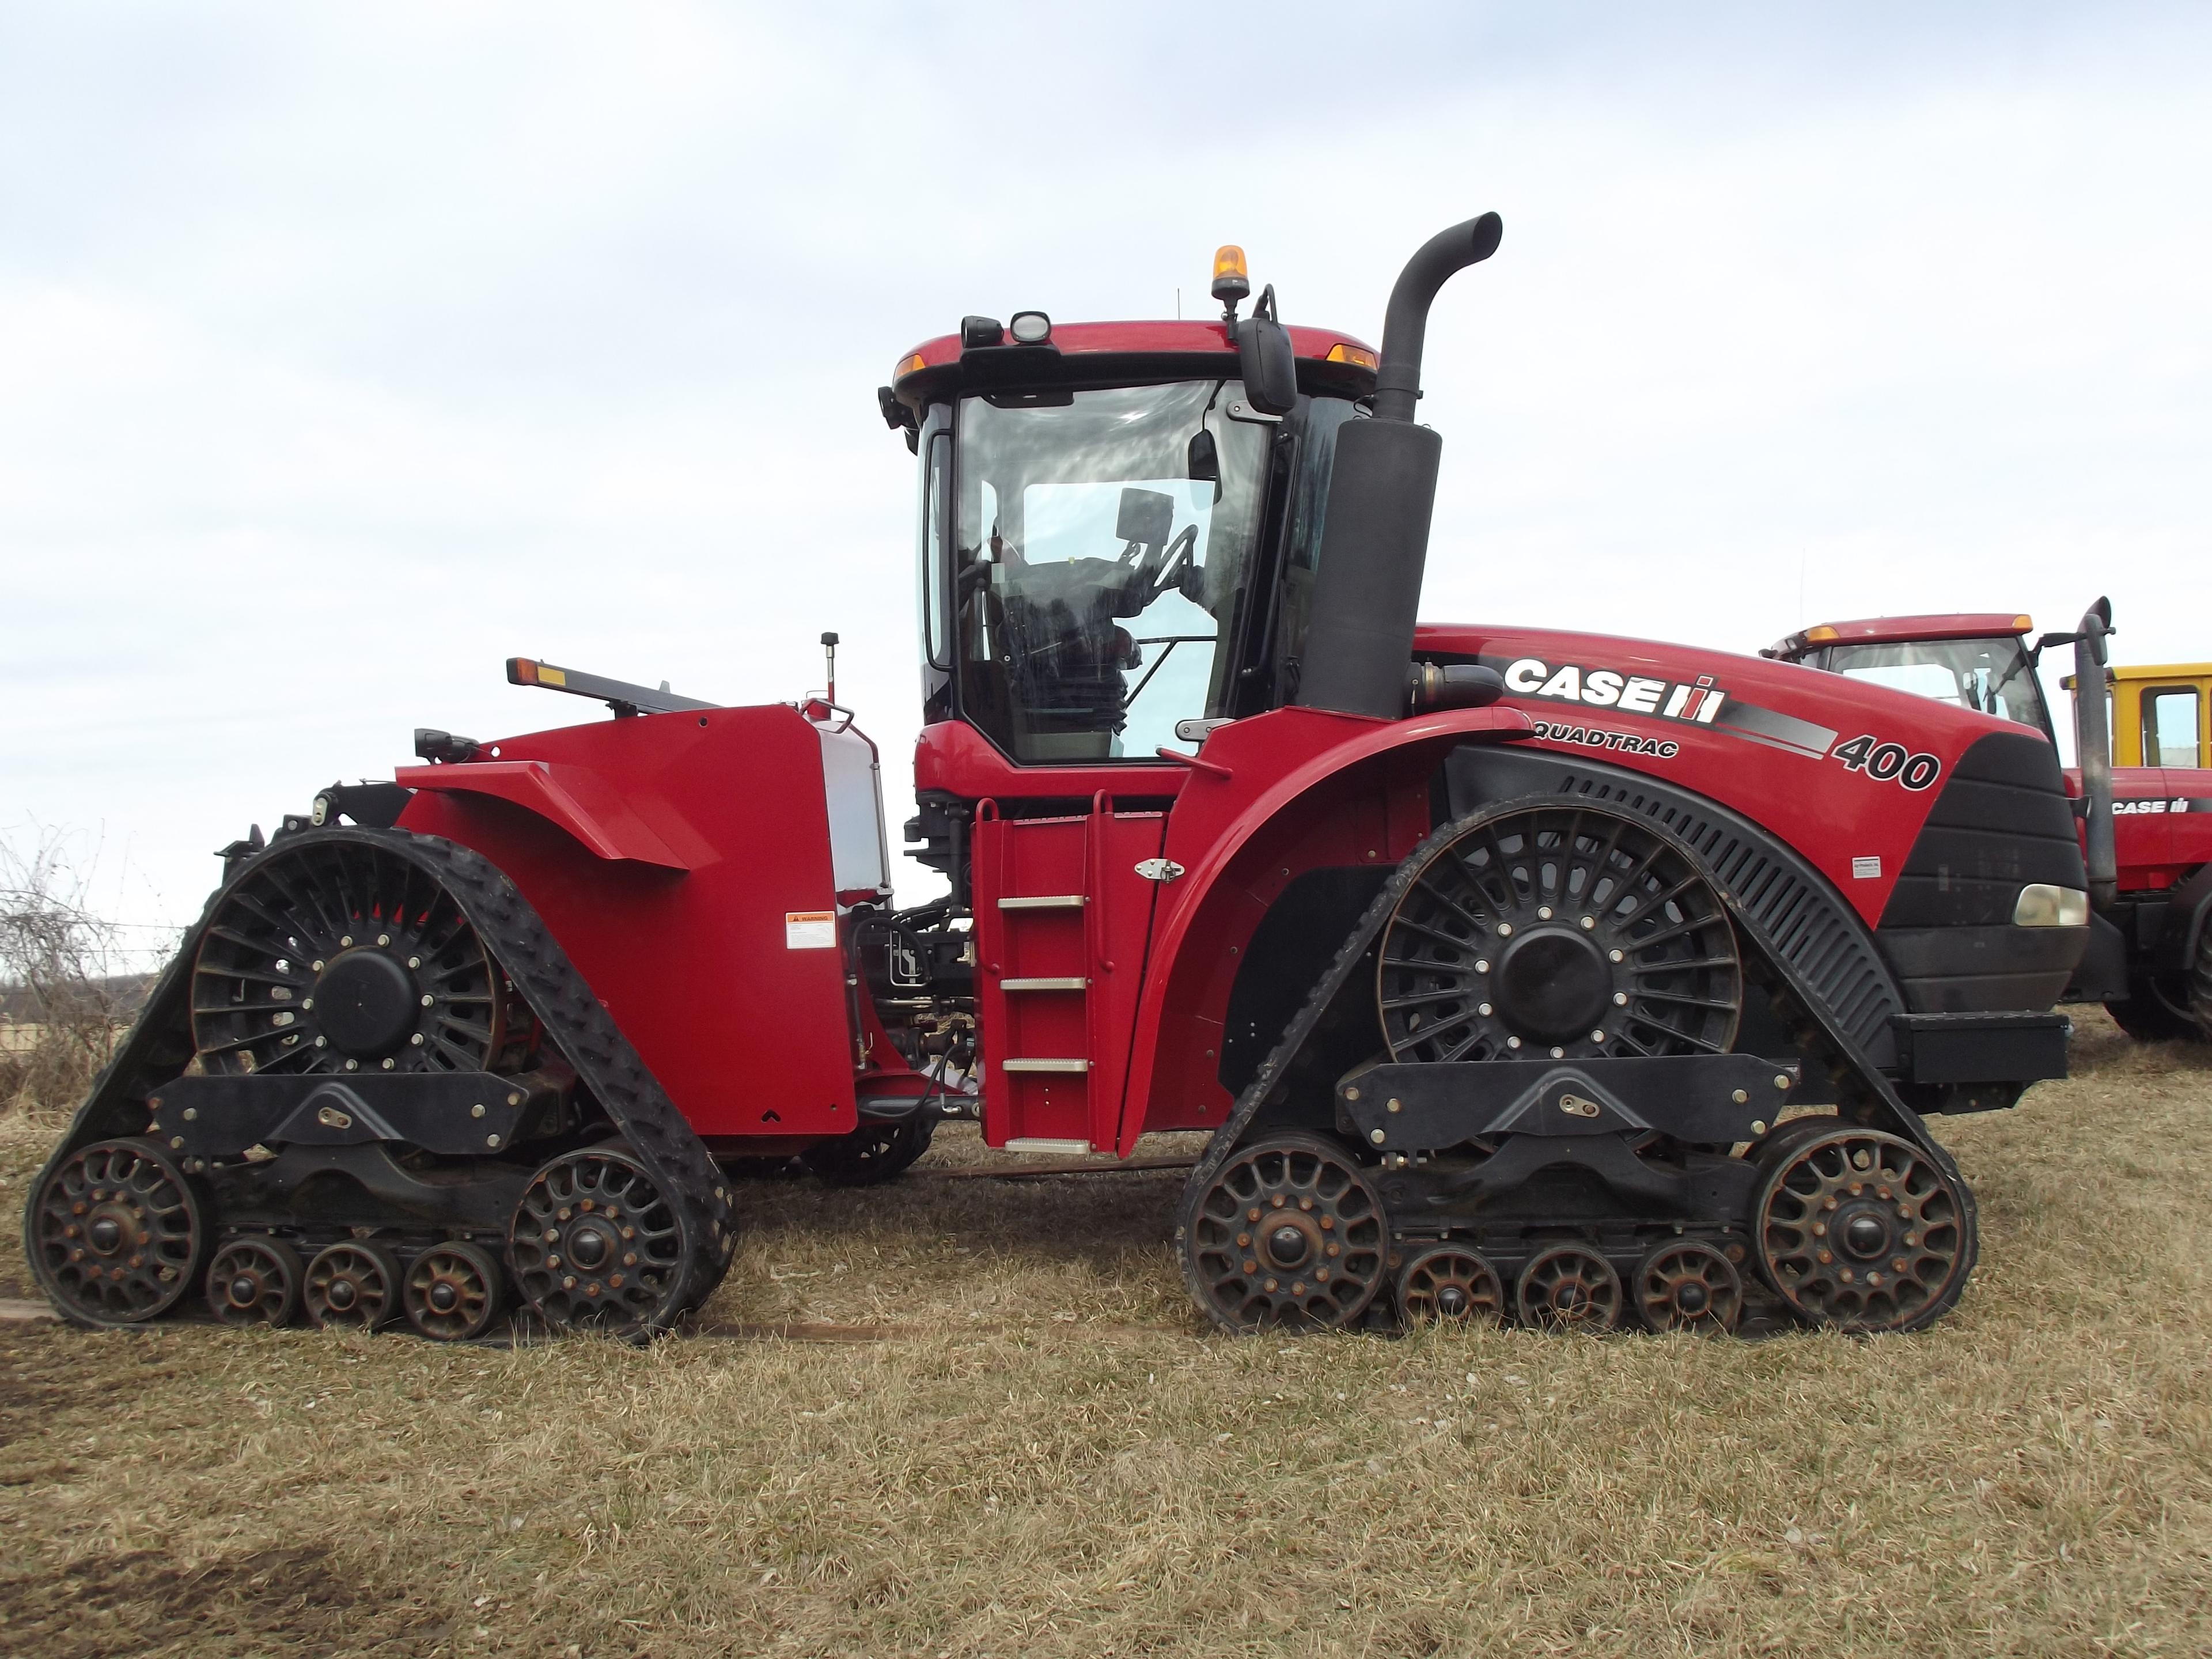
[[1119, 521], [1984, 663]]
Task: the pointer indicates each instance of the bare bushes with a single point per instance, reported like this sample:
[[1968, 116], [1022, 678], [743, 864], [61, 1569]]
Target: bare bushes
[[64, 1001]]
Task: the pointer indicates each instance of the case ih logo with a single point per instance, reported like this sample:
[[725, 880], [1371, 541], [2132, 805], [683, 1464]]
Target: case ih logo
[[1601, 687]]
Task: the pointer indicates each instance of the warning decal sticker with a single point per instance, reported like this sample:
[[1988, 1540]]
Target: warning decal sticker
[[809, 930]]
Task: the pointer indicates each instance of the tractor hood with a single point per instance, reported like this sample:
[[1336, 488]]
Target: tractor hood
[[1845, 771]]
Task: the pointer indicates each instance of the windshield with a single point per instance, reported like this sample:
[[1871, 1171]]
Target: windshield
[[1989, 676], [1095, 578]]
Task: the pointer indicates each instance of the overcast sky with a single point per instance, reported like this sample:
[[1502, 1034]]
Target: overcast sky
[[346, 350]]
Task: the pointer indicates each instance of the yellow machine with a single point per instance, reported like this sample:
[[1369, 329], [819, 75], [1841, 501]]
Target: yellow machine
[[2160, 713]]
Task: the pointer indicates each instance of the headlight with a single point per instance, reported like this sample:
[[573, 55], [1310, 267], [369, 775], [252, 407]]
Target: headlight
[[2042, 905]]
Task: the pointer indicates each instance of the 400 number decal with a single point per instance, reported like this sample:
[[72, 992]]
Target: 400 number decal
[[1887, 761]]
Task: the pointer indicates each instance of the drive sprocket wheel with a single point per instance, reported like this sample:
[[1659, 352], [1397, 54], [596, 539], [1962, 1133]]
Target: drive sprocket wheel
[[1288, 1233], [874, 1153], [1555, 930], [1686, 1285], [351, 1283], [116, 1234], [1570, 1287], [1861, 1230], [1450, 1285], [255, 1281], [452, 1293], [596, 1242], [340, 955]]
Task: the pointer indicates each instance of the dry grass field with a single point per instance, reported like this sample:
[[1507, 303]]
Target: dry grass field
[[1004, 1434]]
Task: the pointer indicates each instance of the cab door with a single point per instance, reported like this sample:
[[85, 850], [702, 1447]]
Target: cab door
[[2173, 725]]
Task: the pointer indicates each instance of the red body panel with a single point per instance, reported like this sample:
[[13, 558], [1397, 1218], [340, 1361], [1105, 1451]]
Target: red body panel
[[2161, 823], [1285, 792], [749, 1036], [668, 852], [1767, 750], [576, 798]]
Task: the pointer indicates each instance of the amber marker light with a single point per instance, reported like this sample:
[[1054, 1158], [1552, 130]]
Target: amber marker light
[[1231, 283], [1342, 353], [1814, 635], [523, 671], [2023, 624], [907, 365]]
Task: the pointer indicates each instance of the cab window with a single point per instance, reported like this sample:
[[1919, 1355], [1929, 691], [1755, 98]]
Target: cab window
[[2172, 727]]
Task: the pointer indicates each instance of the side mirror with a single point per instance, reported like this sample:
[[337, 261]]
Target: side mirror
[[1146, 517], [1265, 361], [1204, 458]]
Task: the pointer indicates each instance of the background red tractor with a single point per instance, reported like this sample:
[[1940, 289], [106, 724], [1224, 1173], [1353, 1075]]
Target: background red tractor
[[2144, 794], [1492, 957]]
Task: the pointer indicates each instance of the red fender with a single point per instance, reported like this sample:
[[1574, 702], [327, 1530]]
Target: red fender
[[575, 797], [1279, 771]]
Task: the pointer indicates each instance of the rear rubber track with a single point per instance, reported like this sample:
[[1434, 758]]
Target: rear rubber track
[[160, 1047]]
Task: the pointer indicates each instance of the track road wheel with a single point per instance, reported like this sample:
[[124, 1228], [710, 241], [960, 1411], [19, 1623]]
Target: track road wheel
[[255, 1281], [596, 1244], [1863, 1230], [453, 1292], [1288, 1233], [353, 1283], [1570, 1287], [1450, 1285], [1685, 1285], [117, 1235], [871, 1154]]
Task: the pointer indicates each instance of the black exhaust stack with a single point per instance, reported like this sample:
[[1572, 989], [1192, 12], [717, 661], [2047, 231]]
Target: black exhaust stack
[[1375, 538]]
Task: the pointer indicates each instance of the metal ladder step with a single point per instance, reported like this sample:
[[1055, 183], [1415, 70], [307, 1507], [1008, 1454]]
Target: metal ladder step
[[1045, 1065], [1046, 902], [1072, 982]]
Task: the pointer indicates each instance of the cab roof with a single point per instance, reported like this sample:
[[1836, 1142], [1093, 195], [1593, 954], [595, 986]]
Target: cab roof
[[1107, 354], [1900, 630]]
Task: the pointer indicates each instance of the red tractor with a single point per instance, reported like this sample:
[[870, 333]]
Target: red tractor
[[1492, 958], [2147, 828]]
